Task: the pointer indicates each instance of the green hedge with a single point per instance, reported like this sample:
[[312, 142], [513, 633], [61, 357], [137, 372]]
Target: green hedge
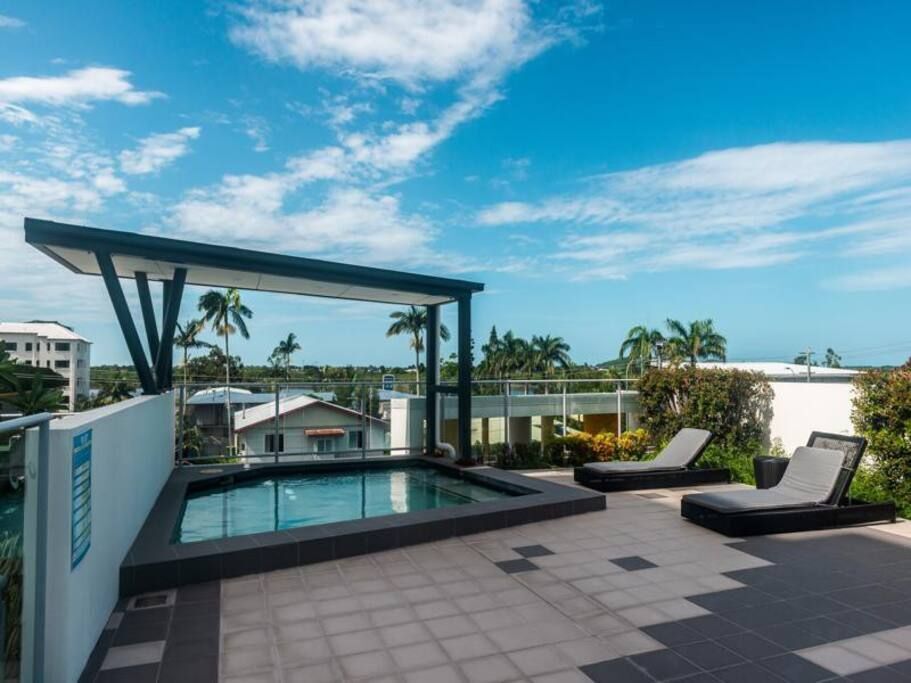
[[882, 414], [736, 406]]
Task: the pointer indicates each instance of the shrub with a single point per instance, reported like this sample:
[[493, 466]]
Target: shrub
[[882, 414], [582, 447], [736, 406]]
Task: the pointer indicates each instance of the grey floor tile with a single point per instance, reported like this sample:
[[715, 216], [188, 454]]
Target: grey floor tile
[[616, 671], [708, 655], [513, 566], [751, 646], [796, 669], [633, 563], [147, 673], [673, 633], [746, 673], [533, 551], [663, 665]]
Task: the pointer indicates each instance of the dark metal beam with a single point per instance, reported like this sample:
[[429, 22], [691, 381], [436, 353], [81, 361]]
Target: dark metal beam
[[148, 312], [432, 375], [464, 352], [45, 235], [164, 360], [125, 318]]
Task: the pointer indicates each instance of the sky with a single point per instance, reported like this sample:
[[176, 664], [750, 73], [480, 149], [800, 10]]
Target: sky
[[596, 165]]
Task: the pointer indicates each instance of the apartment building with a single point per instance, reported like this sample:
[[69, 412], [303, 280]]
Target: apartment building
[[49, 344]]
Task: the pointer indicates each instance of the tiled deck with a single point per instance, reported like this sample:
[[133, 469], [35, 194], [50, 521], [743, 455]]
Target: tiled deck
[[632, 593]]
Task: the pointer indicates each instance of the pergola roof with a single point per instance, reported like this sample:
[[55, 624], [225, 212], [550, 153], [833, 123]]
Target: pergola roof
[[75, 246]]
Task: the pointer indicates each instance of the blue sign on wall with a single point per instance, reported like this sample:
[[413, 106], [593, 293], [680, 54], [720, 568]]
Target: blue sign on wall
[[81, 538]]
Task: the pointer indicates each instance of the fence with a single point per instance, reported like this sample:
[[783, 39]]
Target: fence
[[24, 576], [292, 421]]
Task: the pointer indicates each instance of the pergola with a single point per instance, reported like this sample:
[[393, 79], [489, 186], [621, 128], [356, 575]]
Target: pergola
[[116, 255]]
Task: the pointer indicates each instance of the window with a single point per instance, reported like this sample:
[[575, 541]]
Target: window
[[80, 363], [48, 346], [270, 443], [61, 364], [356, 438], [325, 445], [28, 362], [10, 346], [28, 346], [61, 346]]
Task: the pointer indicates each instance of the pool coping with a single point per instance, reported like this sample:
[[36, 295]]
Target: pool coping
[[155, 563]]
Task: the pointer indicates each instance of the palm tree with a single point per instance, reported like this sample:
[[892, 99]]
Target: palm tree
[[187, 338], [413, 322], [33, 397], [549, 352], [283, 352], [639, 346], [226, 313], [698, 341], [833, 360]]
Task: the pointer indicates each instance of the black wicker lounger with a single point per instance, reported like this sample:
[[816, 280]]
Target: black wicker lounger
[[812, 494], [674, 466]]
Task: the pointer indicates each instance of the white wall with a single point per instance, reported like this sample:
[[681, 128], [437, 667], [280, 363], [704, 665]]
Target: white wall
[[801, 408], [132, 456]]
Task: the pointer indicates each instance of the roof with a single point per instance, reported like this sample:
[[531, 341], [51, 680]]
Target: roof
[[51, 330], [216, 396], [209, 265], [244, 419], [782, 370]]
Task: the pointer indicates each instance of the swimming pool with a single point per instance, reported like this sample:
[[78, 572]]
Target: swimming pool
[[287, 501]]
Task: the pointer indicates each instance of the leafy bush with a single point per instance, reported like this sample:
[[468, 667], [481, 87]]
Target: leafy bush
[[882, 414], [736, 406], [581, 447]]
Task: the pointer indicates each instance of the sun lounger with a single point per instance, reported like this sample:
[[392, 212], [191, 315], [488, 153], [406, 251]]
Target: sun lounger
[[812, 494], [674, 466]]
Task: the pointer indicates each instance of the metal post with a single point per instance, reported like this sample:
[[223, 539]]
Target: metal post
[[506, 435], [619, 405], [44, 438], [432, 376], [148, 312], [564, 409], [364, 423], [464, 352], [122, 311], [275, 436], [164, 357], [180, 417]]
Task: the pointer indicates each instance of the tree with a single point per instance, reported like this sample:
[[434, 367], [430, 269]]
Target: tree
[[640, 345], [549, 352], [23, 387], [698, 341], [283, 352], [413, 322], [187, 338], [226, 313], [833, 360]]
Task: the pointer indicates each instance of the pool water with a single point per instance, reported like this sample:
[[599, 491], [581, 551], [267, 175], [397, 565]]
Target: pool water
[[296, 500]]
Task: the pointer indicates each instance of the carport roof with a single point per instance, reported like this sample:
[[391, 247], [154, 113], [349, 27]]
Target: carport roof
[[208, 265]]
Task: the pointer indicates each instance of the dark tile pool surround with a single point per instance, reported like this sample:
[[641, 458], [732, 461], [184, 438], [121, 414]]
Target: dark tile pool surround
[[155, 563]]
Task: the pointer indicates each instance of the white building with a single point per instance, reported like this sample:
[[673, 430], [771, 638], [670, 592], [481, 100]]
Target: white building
[[51, 345], [308, 427], [786, 372]]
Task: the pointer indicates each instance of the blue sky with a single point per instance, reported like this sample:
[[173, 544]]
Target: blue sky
[[597, 165]]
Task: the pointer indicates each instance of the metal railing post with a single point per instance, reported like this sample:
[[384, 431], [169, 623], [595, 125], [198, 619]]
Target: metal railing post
[[275, 433], [364, 391], [44, 437], [619, 406], [180, 418]]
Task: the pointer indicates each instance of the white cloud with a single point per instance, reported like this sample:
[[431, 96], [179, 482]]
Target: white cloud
[[157, 151], [873, 280], [734, 208], [7, 142], [10, 22], [75, 88], [257, 129], [407, 41]]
